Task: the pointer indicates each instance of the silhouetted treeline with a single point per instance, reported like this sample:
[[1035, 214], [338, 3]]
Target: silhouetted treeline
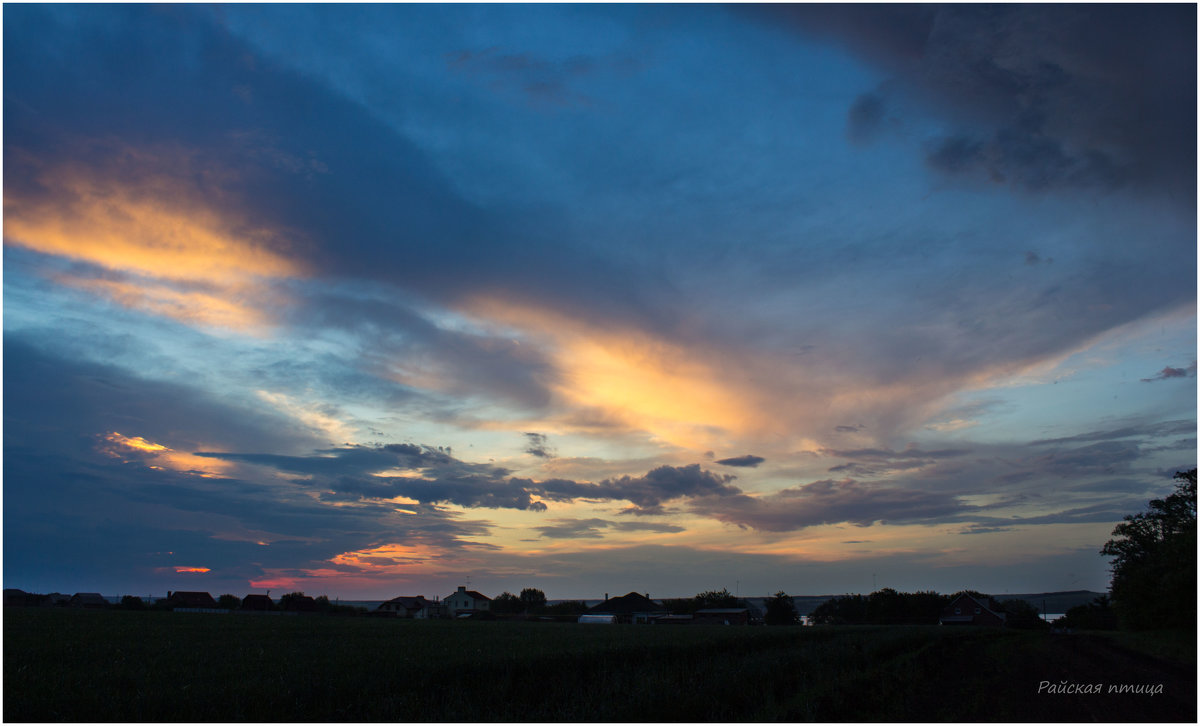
[[889, 607], [702, 601], [1096, 615], [1154, 561]]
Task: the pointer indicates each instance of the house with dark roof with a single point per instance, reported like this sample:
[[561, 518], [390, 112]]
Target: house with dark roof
[[966, 610], [189, 600], [631, 608], [257, 603], [405, 606], [19, 598], [465, 603], [93, 600]]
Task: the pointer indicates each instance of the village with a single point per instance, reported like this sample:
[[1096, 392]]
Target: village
[[709, 608]]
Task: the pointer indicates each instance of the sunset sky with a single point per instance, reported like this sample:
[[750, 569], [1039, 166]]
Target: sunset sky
[[381, 300]]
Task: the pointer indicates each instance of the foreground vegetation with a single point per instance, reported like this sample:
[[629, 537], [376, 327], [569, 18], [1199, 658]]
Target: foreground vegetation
[[71, 665]]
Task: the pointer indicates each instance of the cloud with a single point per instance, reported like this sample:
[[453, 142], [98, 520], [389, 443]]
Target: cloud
[[430, 475], [591, 528], [831, 502], [748, 460], [869, 462], [659, 485], [537, 445], [1042, 96], [1157, 429], [1169, 372]]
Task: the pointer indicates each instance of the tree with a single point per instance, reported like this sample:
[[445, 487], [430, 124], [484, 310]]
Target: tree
[[229, 602], [506, 603], [292, 600], [1021, 615], [717, 599], [781, 610], [1154, 561], [567, 607], [844, 610], [132, 602], [1095, 615], [533, 599]]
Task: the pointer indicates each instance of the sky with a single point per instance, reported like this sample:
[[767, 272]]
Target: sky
[[382, 300]]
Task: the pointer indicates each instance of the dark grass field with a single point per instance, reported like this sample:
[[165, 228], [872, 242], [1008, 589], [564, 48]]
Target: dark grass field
[[152, 666]]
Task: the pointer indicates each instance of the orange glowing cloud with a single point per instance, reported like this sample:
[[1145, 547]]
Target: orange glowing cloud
[[679, 395], [390, 558], [194, 257], [163, 457], [699, 395], [192, 570]]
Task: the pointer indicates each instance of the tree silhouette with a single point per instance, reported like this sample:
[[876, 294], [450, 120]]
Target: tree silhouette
[[781, 610], [1154, 561], [506, 602], [533, 599]]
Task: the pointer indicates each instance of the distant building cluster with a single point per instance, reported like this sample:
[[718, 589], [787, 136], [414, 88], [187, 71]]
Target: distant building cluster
[[633, 608]]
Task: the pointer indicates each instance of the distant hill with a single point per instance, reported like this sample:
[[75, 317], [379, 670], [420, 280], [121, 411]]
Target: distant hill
[[1055, 602]]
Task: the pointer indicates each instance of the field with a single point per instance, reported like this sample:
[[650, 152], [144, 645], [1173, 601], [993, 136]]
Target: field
[[158, 666]]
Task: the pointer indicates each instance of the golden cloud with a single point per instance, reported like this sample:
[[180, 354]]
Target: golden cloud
[[159, 456], [184, 249]]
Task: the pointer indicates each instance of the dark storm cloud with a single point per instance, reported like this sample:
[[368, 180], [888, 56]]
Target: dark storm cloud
[[1042, 95], [831, 502], [593, 528], [748, 460]]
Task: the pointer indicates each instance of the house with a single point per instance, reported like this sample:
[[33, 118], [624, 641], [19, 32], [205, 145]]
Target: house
[[257, 603], [20, 598], [416, 607], [56, 600], [722, 616], [466, 602], [185, 600], [631, 608], [93, 600], [966, 610]]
